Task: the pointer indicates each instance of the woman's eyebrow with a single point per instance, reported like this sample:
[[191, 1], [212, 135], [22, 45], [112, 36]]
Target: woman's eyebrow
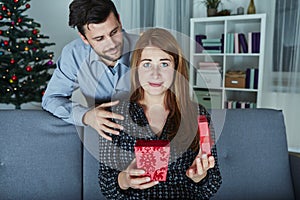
[[146, 59], [165, 59]]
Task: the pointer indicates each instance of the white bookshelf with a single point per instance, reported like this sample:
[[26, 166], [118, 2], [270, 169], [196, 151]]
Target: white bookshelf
[[216, 95]]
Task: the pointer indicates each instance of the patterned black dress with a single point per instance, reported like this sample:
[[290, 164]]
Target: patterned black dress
[[117, 154]]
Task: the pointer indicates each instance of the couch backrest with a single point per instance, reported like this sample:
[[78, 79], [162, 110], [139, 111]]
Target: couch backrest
[[253, 155], [40, 157]]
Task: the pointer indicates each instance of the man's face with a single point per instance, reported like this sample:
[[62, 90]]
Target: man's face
[[106, 39]]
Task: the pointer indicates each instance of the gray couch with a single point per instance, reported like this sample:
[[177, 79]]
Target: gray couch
[[42, 157]]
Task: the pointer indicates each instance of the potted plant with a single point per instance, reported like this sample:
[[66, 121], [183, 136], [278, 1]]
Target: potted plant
[[212, 6]]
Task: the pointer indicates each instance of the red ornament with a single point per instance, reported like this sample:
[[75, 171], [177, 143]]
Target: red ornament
[[28, 68], [1, 17], [19, 20], [1, 32], [29, 41], [43, 92], [12, 61], [34, 31], [27, 5], [13, 23], [4, 8], [5, 42], [16, 1], [14, 78]]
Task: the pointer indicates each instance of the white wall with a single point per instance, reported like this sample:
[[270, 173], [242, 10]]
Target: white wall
[[53, 16]]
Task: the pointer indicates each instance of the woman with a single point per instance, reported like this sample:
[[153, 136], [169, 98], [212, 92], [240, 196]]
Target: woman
[[158, 108]]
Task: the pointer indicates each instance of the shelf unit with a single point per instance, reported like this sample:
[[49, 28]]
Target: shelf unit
[[209, 89]]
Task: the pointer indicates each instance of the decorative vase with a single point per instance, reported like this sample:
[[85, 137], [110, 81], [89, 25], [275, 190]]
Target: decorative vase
[[211, 12], [251, 8]]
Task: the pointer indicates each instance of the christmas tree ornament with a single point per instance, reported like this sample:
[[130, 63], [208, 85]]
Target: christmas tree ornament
[[50, 62], [34, 31], [14, 78], [28, 68], [29, 41]]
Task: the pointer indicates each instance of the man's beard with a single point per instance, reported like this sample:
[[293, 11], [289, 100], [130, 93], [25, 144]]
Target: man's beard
[[113, 58]]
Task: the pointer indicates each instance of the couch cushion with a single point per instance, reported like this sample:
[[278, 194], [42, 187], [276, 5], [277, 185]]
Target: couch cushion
[[40, 157], [253, 155], [91, 187]]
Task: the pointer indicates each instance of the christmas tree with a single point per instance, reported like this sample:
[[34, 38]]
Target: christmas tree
[[24, 62]]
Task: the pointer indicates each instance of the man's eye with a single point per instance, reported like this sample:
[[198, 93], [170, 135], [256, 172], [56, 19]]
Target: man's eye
[[163, 65], [99, 39], [114, 32], [146, 65]]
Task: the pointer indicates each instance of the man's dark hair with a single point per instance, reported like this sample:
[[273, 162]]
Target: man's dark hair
[[85, 12]]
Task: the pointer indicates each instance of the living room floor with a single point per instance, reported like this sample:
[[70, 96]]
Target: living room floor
[[295, 154]]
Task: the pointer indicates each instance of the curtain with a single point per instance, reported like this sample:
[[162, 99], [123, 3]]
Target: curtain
[[169, 14], [285, 81], [174, 15], [286, 59]]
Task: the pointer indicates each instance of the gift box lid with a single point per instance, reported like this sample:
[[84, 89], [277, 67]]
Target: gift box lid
[[151, 143]]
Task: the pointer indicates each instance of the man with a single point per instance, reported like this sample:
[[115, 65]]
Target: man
[[95, 63]]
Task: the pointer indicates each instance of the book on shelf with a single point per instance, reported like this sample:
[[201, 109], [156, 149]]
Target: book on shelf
[[250, 42], [222, 41], [212, 40], [230, 43], [236, 43], [209, 66], [212, 44], [255, 79], [213, 51], [253, 42], [199, 43], [243, 43], [212, 48], [239, 104], [251, 78]]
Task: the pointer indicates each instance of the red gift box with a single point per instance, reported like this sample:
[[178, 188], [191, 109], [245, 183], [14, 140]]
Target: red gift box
[[205, 137], [153, 157]]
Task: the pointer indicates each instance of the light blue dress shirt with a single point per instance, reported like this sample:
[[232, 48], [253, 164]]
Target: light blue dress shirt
[[80, 67]]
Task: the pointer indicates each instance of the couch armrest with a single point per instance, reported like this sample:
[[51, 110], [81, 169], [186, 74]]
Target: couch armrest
[[295, 166]]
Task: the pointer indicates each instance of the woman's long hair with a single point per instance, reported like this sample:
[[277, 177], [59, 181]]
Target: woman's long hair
[[183, 112]]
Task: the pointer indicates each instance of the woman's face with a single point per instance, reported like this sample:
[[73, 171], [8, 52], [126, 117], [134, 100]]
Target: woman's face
[[155, 71]]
